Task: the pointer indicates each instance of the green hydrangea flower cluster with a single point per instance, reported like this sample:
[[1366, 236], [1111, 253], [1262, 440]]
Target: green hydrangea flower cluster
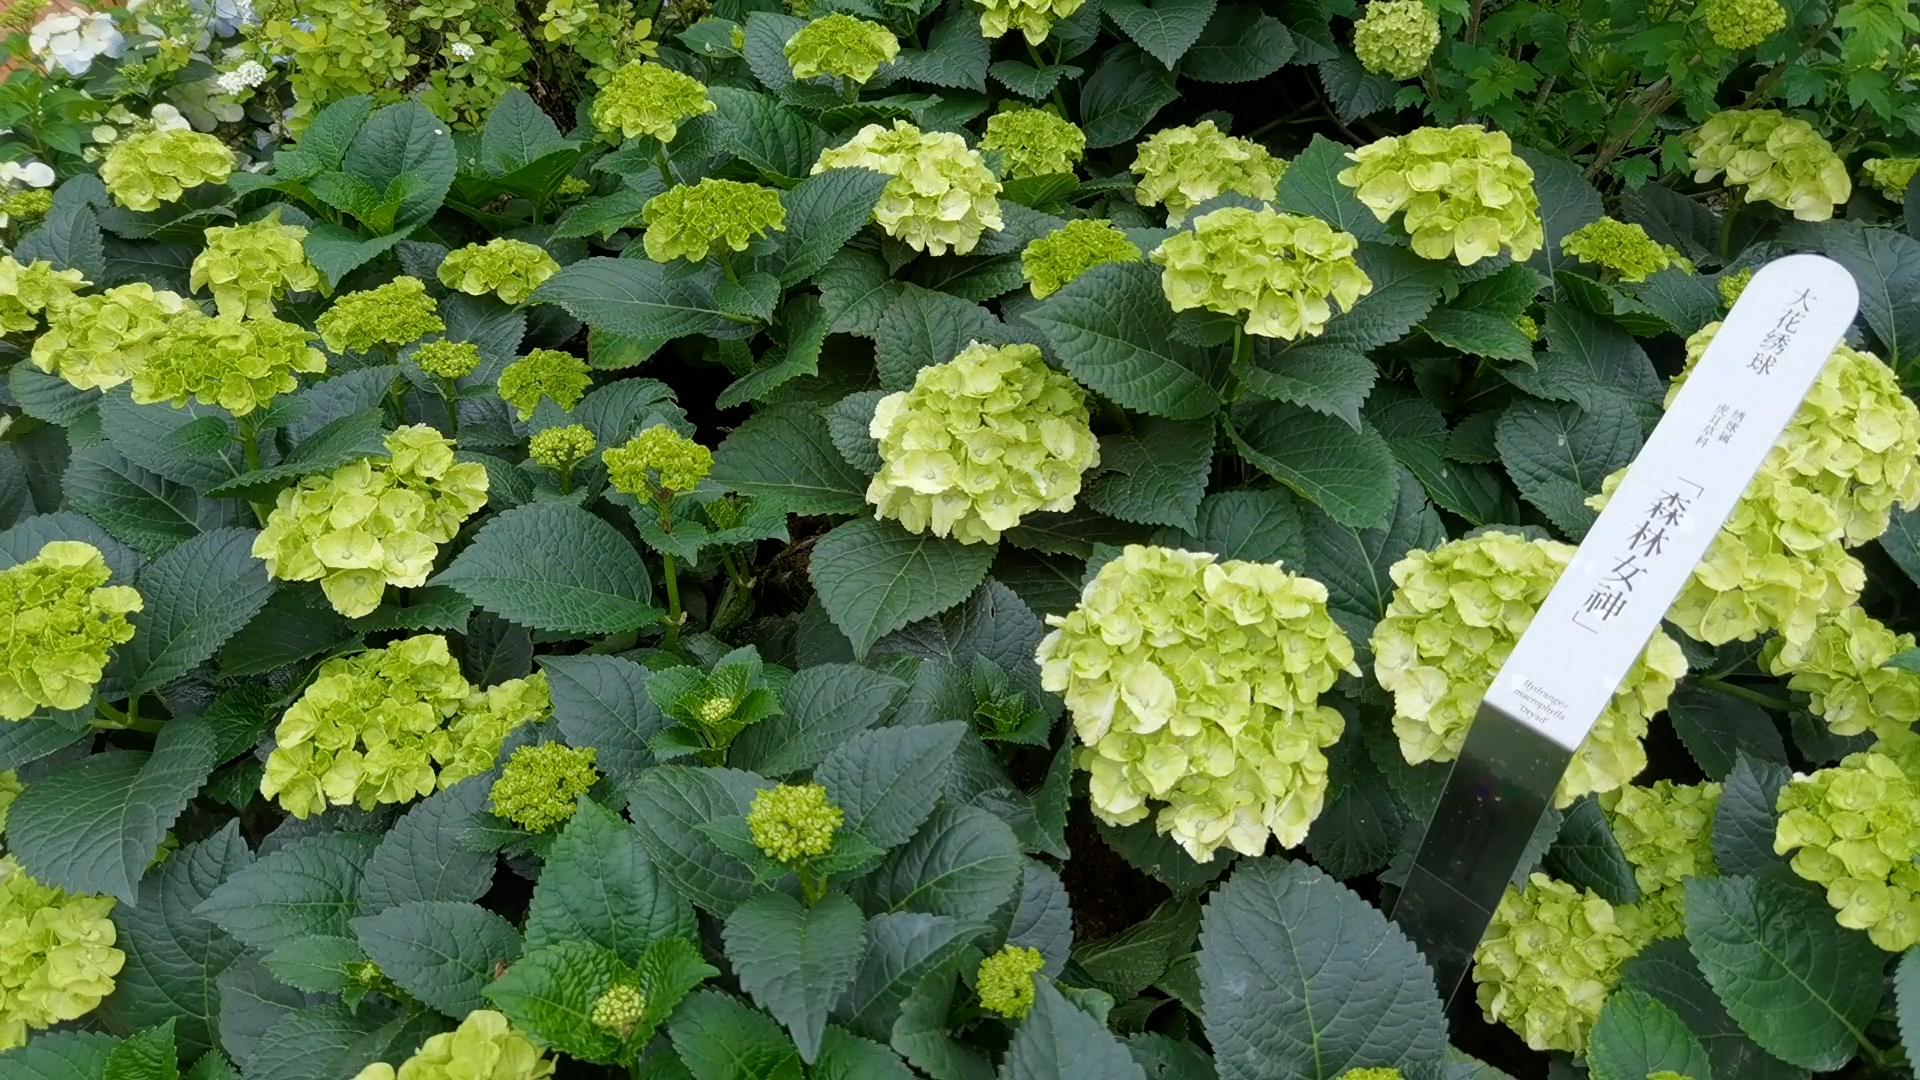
[[1004, 981], [561, 448], [58, 619], [1182, 167], [1280, 269], [25, 291], [1742, 24], [840, 46], [686, 221], [1457, 612], [1665, 830], [942, 195], [397, 313], [1196, 683], [485, 720], [24, 207], [1395, 37], [1371, 1074], [237, 364], [1033, 18], [146, 169], [1034, 142], [1055, 259], [99, 341], [648, 99], [448, 359], [794, 822], [619, 1009], [980, 442], [1625, 249], [373, 522], [1528, 328], [1839, 667], [1550, 958], [541, 785], [1856, 828], [247, 266], [57, 960], [658, 459], [1465, 192], [1732, 285], [1891, 176], [560, 377], [484, 1047], [1776, 158], [511, 269]]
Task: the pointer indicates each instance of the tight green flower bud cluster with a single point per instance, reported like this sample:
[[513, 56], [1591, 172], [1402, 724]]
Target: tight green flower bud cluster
[[28, 290], [57, 959], [247, 266], [373, 522], [1742, 24], [942, 194], [1891, 176], [96, 342], [648, 99], [1857, 830], [1395, 37], [1034, 142], [561, 448], [658, 459], [560, 377], [1033, 18], [542, 784], [1457, 612], [619, 1009], [1053, 260], [1625, 249], [512, 269], [840, 46], [397, 313], [1182, 167], [1776, 158], [23, 208], [1371, 1074], [1465, 192], [1004, 981], [1732, 285], [1665, 830], [153, 167], [1839, 667], [1196, 683], [448, 359], [794, 822], [239, 365], [1550, 958], [485, 720], [58, 619], [10, 789], [484, 1047], [1280, 269], [687, 221], [980, 442]]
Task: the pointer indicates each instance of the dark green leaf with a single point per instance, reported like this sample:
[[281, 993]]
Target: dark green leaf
[[1057, 1039], [886, 780], [669, 804], [637, 298], [1112, 329], [1558, 454], [601, 701], [1122, 94], [197, 595], [1743, 822], [1716, 727], [902, 948], [599, 885], [440, 951], [1240, 44], [797, 960], [719, 1038], [786, 452], [422, 857], [1587, 855], [1164, 28], [552, 566], [822, 708], [304, 888], [1637, 1036], [874, 577], [1311, 187], [1350, 474]]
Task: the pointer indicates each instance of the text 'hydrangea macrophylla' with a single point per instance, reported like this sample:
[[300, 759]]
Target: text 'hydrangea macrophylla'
[[237, 364], [793, 822], [247, 266], [1742, 24], [57, 959], [58, 619], [153, 167], [1778, 159], [373, 522], [511, 269], [1891, 176], [1196, 683], [1004, 981], [1182, 167], [1857, 830], [99, 341], [1625, 249], [448, 359], [485, 720], [942, 194], [1457, 612], [1840, 668], [484, 1047], [980, 442], [648, 99], [656, 460], [560, 377], [27, 290], [1034, 142], [397, 313], [561, 448], [1053, 260], [1281, 270], [685, 222], [840, 46], [1033, 18], [1550, 958], [540, 785], [1465, 192], [1395, 37], [1665, 830]]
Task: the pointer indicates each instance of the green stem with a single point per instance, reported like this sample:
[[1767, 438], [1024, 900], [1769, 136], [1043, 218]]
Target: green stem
[[1239, 362], [1755, 697], [811, 888], [450, 394], [666, 171], [566, 480], [1726, 229], [726, 267], [250, 440], [849, 89], [673, 601], [1059, 100]]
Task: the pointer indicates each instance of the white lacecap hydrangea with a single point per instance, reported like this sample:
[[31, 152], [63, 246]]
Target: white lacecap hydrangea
[[245, 77]]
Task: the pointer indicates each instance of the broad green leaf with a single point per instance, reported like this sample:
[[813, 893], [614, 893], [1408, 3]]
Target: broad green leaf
[[298, 622], [316, 964], [1906, 996], [1028, 81], [1058, 1039], [549, 993], [1350, 474], [1310, 186], [1593, 363], [51, 398], [59, 1055], [767, 135], [767, 34], [1041, 916], [442, 952], [902, 948], [786, 452], [887, 780], [1418, 437], [601, 701], [1478, 333], [855, 290], [1240, 44], [849, 422], [1587, 856], [849, 1057], [197, 595], [955, 57], [669, 803], [1567, 202], [1558, 454], [1169, 1059], [1257, 526], [1363, 824], [1327, 378], [993, 623], [1156, 474], [404, 148], [1126, 963], [422, 857], [1744, 819], [192, 445], [920, 1034], [874, 577], [796, 960], [1122, 95], [323, 1042], [1716, 727], [1405, 288], [922, 328], [1886, 264], [720, 1038], [144, 1055], [552, 566], [23, 744], [638, 298], [338, 442], [804, 326], [598, 884], [1164, 28], [963, 863], [1113, 331], [69, 238], [1354, 91], [251, 1002], [1637, 1036], [518, 133], [1667, 971], [141, 508], [304, 888], [1162, 858]]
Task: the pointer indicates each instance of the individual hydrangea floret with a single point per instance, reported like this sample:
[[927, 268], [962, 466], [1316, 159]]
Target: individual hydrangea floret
[[1625, 249], [1395, 37], [1196, 683], [485, 720], [25, 291], [397, 313], [687, 221], [57, 955], [619, 1009], [511, 269], [374, 522], [793, 822], [561, 448], [1283, 271], [58, 620], [1182, 167], [560, 377], [96, 342], [1465, 192], [1004, 981], [147, 169], [448, 359], [247, 266], [484, 1047], [1051, 261], [239, 365], [840, 46], [1855, 829], [1665, 830], [941, 196], [541, 785], [980, 442], [1033, 18], [1034, 142], [1778, 159], [658, 459], [1841, 668], [648, 99], [1550, 958], [1742, 24], [1732, 285], [1457, 612], [1891, 176]]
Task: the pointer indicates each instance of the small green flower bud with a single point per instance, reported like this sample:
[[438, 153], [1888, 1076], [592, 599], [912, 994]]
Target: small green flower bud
[[1742, 24], [1055, 259], [657, 459], [840, 46], [542, 784], [1528, 328], [26, 206], [512, 269], [448, 359], [1034, 142], [1732, 285], [618, 1010], [544, 373], [561, 448], [1005, 981], [397, 313], [1371, 1074], [648, 99], [792, 822], [687, 221], [1395, 37]]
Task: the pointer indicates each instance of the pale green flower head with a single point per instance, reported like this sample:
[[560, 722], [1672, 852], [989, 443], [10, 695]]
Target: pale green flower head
[[687, 221], [840, 46], [942, 196], [1033, 18], [239, 365], [619, 1009], [58, 621], [1778, 159], [397, 313], [1550, 958], [1004, 981], [144, 170], [247, 266], [1195, 684], [1891, 176], [1395, 37], [1455, 615], [1034, 142], [28, 290], [1666, 832], [793, 822], [1055, 259], [1856, 828], [658, 459], [561, 448], [484, 1047], [448, 359], [57, 957], [1283, 271], [485, 720], [1182, 167], [541, 785], [1841, 670], [1742, 24], [648, 99], [1464, 191], [511, 269], [560, 377], [1732, 285], [1624, 249], [99, 341], [980, 442]]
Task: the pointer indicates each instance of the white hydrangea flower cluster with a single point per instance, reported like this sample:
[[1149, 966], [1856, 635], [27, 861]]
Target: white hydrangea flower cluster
[[942, 194], [72, 40]]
